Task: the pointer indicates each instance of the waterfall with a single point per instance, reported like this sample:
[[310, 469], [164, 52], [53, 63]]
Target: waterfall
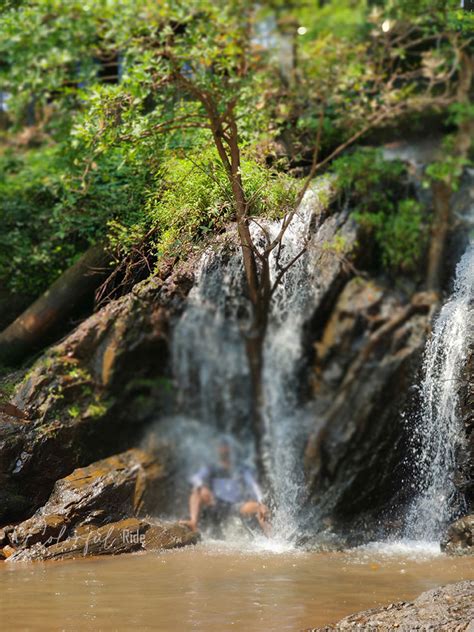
[[438, 432], [209, 363]]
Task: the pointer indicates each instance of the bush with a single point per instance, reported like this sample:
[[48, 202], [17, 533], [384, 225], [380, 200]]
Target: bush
[[54, 205], [385, 208]]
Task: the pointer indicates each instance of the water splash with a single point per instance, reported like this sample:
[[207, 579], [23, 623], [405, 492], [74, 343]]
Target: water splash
[[403, 549], [438, 433]]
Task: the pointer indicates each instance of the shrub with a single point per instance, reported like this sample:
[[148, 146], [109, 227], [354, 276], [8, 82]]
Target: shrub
[[54, 205], [191, 198], [385, 208]]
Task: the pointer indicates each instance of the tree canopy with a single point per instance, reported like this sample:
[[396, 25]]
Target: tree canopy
[[102, 97]]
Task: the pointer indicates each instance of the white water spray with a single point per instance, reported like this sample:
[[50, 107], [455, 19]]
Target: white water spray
[[438, 431]]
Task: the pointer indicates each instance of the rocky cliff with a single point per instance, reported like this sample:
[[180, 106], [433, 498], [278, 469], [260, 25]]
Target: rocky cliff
[[92, 395]]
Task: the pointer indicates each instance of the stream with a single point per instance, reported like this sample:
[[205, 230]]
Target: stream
[[214, 587]]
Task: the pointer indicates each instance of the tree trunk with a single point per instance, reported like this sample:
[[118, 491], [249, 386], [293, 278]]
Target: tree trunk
[[34, 328], [258, 285], [442, 191], [439, 233]]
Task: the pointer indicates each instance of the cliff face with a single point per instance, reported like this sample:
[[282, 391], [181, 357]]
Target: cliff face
[[367, 358]]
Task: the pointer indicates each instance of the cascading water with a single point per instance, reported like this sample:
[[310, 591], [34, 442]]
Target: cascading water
[[210, 366], [438, 432]]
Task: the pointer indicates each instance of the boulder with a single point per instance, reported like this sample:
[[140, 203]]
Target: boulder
[[125, 536], [367, 355], [449, 608], [464, 476], [6, 552], [133, 483], [459, 538], [89, 396]]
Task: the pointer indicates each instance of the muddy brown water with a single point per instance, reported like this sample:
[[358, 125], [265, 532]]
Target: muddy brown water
[[215, 588]]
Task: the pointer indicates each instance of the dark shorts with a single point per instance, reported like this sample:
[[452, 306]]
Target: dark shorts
[[221, 511]]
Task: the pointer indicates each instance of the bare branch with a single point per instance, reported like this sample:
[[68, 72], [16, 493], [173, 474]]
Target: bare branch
[[285, 269]]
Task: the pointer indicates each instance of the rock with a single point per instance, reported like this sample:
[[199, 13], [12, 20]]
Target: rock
[[449, 608], [89, 396], [459, 538], [6, 552], [168, 535], [129, 484], [367, 356], [10, 410], [125, 536], [39, 528], [464, 477]]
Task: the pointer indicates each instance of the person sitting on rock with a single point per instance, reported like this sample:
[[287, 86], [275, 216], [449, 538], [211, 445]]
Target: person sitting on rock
[[226, 489]]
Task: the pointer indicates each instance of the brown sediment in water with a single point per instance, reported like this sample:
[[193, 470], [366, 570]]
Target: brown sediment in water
[[212, 589]]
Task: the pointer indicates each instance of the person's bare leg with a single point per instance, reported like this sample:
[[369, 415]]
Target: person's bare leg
[[253, 508], [198, 497]]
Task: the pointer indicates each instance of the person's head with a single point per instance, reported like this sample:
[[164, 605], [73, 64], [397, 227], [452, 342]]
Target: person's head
[[224, 450]]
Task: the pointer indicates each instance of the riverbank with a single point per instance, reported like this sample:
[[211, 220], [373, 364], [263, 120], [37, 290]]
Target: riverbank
[[214, 586], [447, 608]]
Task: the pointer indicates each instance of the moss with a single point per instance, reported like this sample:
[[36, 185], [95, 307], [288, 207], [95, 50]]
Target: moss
[[338, 246], [97, 408], [74, 411], [7, 389]]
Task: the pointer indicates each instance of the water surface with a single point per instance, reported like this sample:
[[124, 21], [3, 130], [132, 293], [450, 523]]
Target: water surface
[[214, 588]]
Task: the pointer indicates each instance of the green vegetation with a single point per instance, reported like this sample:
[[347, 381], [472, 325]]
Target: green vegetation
[[50, 213], [385, 208], [450, 168], [134, 121], [191, 198], [7, 389]]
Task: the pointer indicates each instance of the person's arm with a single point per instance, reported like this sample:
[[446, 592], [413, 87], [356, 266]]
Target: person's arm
[[200, 478], [253, 486]]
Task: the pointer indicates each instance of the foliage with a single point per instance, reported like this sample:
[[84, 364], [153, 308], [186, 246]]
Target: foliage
[[51, 212], [450, 168], [191, 198], [385, 208], [7, 386], [110, 155]]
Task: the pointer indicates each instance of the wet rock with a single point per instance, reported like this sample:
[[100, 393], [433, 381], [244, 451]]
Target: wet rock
[[125, 536], [39, 528], [459, 538], [6, 552], [168, 535], [129, 484], [89, 396], [324, 541], [367, 357], [464, 476], [450, 608]]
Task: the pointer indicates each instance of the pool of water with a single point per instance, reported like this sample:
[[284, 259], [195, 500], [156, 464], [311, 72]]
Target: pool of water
[[215, 587]]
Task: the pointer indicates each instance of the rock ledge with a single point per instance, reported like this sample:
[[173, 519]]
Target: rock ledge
[[449, 608]]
